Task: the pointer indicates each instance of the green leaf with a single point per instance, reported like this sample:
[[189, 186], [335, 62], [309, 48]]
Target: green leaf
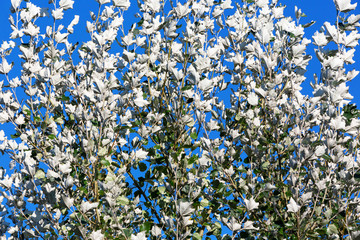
[[123, 200], [52, 136], [193, 135], [265, 165], [39, 174], [16, 135], [59, 120], [37, 119], [321, 231], [140, 23], [142, 167], [204, 203], [326, 157], [115, 164], [192, 159], [162, 189], [197, 236], [187, 87], [332, 229], [27, 111], [65, 98], [308, 24], [127, 233], [102, 151], [357, 176], [145, 227], [291, 148], [105, 162], [84, 190], [217, 225]]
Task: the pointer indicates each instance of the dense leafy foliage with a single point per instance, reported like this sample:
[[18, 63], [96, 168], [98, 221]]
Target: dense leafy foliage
[[191, 124]]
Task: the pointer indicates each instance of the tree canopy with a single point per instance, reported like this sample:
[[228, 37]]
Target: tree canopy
[[189, 125]]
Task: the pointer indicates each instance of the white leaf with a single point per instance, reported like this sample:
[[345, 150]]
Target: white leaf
[[125, 4], [351, 40], [320, 150], [97, 235], [321, 184], [331, 29], [61, 37], [128, 56], [182, 10], [204, 161], [260, 92], [262, 3], [13, 230], [140, 101], [4, 117], [141, 154], [320, 39], [306, 196], [185, 208], [102, 151], [5, 67], [66, 4], [332, 229], [344, 5], [87, 206], [298, 49], [264, 34], [73, 23], [206, 85], [103, 1], [212, 52], [69, 202], [251, 204], [122, 142], [6, 182], [226, 4], [187, 221], [15, 3], [57, 14], [2, 138], [293, 206], [278, 12], [139, 236], [348, 55], [178, 74], [234, 225], [337, 123], [217, 11], [20, 120], [253, 99], [353, 18], [156, 231], [65, 168], [336, 63], [249, 225]]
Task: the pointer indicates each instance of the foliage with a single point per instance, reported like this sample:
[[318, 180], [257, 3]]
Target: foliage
[[126, 136]]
